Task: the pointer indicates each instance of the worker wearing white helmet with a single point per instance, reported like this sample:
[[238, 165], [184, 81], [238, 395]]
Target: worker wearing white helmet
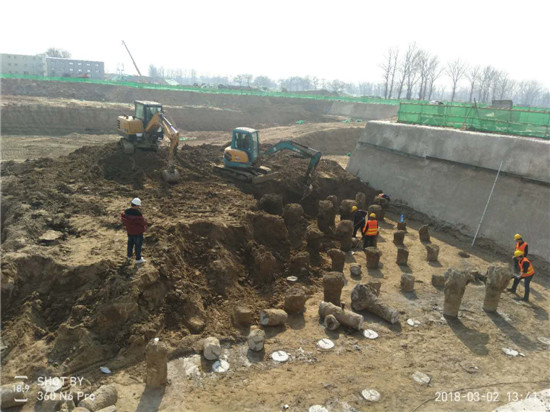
[[135, 225]]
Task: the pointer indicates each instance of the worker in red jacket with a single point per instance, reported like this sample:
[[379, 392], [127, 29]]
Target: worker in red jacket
[[521, 244], [526, 273], [135, 225]]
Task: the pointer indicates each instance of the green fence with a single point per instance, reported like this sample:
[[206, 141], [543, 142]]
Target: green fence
[[473, 117], [291, 95]]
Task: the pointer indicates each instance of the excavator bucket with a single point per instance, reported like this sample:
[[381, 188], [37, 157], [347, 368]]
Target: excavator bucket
[[170, 175]]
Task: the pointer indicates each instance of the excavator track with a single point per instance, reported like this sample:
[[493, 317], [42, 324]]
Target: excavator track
[[254, 175]]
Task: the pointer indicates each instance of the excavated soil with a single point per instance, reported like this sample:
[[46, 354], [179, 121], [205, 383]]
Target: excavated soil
[[69, 301]]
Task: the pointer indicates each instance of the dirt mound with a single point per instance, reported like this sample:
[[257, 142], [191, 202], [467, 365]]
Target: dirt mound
[[68, 299]]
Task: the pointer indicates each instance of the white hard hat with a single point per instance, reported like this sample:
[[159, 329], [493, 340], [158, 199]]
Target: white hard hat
[[136, 202]]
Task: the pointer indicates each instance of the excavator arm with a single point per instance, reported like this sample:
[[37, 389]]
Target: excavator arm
[[159, 120], [304, 151]]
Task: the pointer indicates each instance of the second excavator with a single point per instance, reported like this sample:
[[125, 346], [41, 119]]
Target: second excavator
[[145, 130], [240, 160]]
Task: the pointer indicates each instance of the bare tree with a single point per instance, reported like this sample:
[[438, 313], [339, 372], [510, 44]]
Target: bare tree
[[389, 67], [455, 70], [406, 67], [485, 80], [473, 75], [263, 82], [529, 92], [434, 72], [55, 52]]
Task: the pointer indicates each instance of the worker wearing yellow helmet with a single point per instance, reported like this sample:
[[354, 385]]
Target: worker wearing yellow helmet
[[358, 219], [521, 244], [370, 231], [526, 273]]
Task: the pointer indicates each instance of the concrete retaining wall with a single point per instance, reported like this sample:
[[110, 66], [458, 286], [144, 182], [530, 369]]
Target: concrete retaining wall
[[448, 175], [364, 111]]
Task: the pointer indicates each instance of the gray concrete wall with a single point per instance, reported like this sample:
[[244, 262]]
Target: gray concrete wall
[[451, 180], [364, 111]]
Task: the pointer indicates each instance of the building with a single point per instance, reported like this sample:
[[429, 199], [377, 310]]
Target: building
[[41, 65], [59, 67], [23, 64]]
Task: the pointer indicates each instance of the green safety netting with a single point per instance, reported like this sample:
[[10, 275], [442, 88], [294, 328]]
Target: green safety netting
[[295, 95], [473, 117]]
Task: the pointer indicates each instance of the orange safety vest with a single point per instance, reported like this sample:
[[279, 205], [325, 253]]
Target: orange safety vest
[[371, 228], [521, 247], [530, 270]]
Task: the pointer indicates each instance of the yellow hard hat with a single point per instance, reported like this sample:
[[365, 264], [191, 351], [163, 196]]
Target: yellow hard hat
[[518, 253], [353, 208], [372, 215], [517, 236]]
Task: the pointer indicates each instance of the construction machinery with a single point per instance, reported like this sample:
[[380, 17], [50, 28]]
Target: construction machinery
[[240, 160], [145, 130]]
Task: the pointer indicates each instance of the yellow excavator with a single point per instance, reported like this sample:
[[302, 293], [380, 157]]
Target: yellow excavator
[[145, 129]]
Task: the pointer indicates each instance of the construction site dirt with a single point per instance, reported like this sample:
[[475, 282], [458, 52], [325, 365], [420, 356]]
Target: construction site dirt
[[72, 305]]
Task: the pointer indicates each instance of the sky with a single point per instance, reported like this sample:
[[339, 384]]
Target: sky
[[337, 39]]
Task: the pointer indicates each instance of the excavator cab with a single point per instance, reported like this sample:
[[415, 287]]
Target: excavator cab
[[244, 149]]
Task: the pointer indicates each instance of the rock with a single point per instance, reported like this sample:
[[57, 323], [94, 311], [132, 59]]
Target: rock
[[331, 323], [295, 300], [402, 256], [256, 339], [293, 214], [156, 357], [313, 238], [421, 378], [375, 285], [334, 200], [344, 232], [455, 285], [338, 259], [402, 226], [355, 270], [424, 234], [271, 231], [273, 317], [373, 257], [111, 408], [364, 298], [345, 209], [272, 203], [263, 263], [50, 237], [333, 282], [378, 211], [498, 277], [407, 282], [463, 254], [211, 348], [298, 262], [344, 317], [432, 252], [361, 200], [438, 280], [105, 396], [243, 316], [326, 217], [398, 237]]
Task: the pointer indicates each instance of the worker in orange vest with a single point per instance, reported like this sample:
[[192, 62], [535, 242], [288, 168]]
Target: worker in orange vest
[[526, 273], [521, 244], [370, 231]]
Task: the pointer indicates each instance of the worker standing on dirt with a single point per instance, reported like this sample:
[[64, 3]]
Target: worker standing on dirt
[[358, 219], [370, 231], [383, 200], [526, 273], [135, 225]]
